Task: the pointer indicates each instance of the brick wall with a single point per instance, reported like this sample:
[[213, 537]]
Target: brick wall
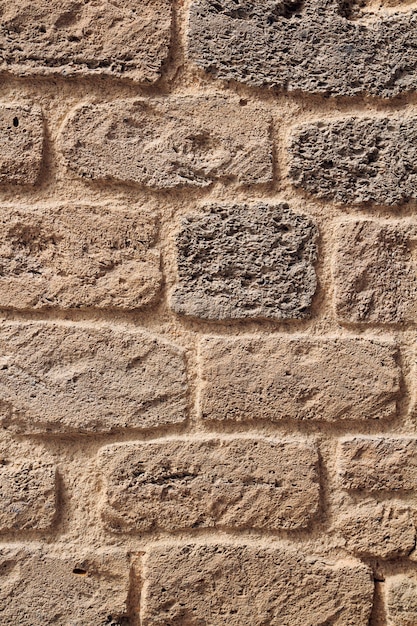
[[208, 300]]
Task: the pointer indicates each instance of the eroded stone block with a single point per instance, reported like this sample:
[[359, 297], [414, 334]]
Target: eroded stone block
[[72, 378], [21, 143], [238, 483], [170, 142], [241, 261], [402, 600]]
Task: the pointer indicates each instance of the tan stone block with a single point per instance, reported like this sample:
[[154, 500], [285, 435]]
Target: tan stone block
[[170, 142], [234, 585], [375, 272], [28, 491], [239, 483], [77, 257], [381, 530], [38, 589], [21, 143], [72, 378], [246, 261], [70, 37], [378, 463], [277, 378], [402, 600]]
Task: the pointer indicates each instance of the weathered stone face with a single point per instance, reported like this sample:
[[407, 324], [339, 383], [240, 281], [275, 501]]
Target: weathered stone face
[[402, 600], [170, 142], [21, 144], [242, 261], [357, 160], [273, 379], [57, 378], [240, 483], [211, 584], [313, 46], [77, 257], [85, 37]]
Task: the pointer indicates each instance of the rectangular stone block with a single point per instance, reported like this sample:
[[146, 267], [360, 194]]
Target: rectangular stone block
[[73, 378], [357, 160], [378, 464], [318, 46], [72, 37], [21, 143], [170, 142], [401, 596], [227, 585], [375, 272], [77, 257], [70, 590], [27, 495], [378, 530], [241, 261], [237, 483], [277, 378]]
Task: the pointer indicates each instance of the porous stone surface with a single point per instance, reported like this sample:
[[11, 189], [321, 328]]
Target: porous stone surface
[[60, 378], [211, 584], [71, 37], [375, 272], [21, 143], [357, 160], [316, 46], [378, 463], [171, 142], [77, 257], [38, 589], [237, 483], [245, 261], [28, 495], [378, 530], [277, 378], [402, 600]]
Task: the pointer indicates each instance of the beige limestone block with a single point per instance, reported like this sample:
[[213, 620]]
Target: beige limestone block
[[238, 483], [328, 47], [277, 378], [402, 600], [378, 463], [37, 589], [381, 530], [28, 493], [85, 37], [72, 378], [246, 261], [228, 585], [170, 142], [375, 272], [77, 257], [357, 160], [21, 143]]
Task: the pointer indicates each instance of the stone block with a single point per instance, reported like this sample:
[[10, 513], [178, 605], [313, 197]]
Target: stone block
[[21, 143]]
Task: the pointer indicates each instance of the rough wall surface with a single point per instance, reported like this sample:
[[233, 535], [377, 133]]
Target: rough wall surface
[[208, 313]]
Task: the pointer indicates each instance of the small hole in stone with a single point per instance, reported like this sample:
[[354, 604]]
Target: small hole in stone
[[243, 102], [16, 122], [79, 571]]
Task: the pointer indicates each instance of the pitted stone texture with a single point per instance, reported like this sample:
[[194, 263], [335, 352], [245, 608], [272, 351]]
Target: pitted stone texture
[[378, 464], [357, 160], [304, 379], [235, 585], [38, 589], [77, 256], [241, 261], [28, 491], [402, 600], [309, 46], [380, 530], [21, 143], [375, 272], [239, 483], [71, 378], [125, 40], [170, 142]]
